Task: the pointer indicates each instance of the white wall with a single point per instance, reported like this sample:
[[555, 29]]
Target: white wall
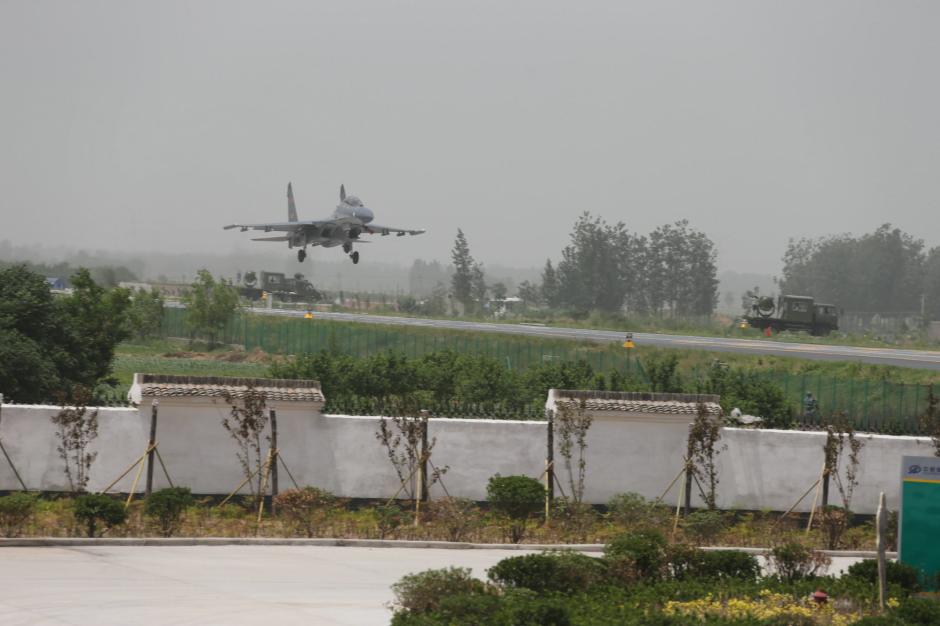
[[758, 469]]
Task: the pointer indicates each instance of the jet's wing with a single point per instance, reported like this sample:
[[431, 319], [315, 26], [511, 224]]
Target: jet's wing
[[277, 226], [377, 229]]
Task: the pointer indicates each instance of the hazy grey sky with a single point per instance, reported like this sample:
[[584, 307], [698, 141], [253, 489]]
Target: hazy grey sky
[[150, 125]]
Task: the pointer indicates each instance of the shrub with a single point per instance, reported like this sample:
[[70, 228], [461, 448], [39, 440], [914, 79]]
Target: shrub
[[905, 576], [90, 509], [517, 498], [834, 520], [703, 526], [464, 608], [792, 561], [562, 571], [918, 612], [423, 592], [16, 510], [457, 516], [690, 562], [523, 609], [638, 555], [306, 508], [575, 519], [387, 518], [632, 509], [166, 507]]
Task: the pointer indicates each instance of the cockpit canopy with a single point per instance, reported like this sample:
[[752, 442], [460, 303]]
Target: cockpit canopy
[[352, 201]]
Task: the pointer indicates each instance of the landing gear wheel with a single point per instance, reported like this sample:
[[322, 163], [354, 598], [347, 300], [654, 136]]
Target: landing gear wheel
[[355, 257], [301, 255], [347, 247]]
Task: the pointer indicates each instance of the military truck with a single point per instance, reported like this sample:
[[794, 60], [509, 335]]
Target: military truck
[[284, 288], [792, 313]]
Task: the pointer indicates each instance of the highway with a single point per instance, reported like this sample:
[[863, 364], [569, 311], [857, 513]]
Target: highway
[[918, 359]]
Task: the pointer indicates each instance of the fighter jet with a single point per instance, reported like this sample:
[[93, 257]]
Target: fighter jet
[[350, 220]]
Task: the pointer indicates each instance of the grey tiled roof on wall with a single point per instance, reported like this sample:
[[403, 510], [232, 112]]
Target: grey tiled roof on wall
[[169, 386], [630, 402]]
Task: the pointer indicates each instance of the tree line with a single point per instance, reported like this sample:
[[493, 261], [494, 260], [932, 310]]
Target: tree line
[[606, 267], [885, 271]]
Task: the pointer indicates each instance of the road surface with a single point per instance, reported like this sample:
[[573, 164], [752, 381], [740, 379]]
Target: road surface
[[919, 359], [230, 585]]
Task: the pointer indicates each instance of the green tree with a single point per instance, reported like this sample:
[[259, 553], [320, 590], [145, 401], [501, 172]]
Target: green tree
[[882, 271], [499, 291], [49, 345], [932, 285], [96, 320], [32, 338], [461, 282], [598, 266], [550, 295], [145, 316], [210, 304], [529, 294], [478, 287], [681, 275]]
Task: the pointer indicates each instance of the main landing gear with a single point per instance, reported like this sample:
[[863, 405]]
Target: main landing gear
[[347, 248], [301, 255]]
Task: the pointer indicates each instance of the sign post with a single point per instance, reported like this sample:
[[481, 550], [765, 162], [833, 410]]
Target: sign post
[[919, 524]]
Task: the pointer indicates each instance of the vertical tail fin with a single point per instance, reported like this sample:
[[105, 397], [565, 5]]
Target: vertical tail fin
[[291, 207]]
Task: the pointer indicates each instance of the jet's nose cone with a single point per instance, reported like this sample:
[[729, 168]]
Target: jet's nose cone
[[364, 214]]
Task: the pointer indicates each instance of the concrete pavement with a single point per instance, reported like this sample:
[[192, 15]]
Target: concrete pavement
[[919, 359], [234, 585]]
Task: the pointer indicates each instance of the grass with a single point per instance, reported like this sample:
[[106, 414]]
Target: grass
[[718, 325], [53, 517]]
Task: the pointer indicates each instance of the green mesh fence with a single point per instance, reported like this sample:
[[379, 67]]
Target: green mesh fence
[[294, 335], [877, 406]]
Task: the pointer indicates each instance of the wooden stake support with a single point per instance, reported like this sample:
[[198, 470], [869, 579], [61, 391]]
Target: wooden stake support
[[152, 449]]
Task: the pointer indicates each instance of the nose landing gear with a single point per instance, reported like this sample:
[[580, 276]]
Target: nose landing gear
[[355, 257], [301, 255]]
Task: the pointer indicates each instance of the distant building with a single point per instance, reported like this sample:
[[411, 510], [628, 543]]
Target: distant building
[[505, 306], [56, 283]]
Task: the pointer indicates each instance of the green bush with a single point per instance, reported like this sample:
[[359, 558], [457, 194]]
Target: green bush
[[467, 608], [689, 562], [638, 555], [306, 508], [16, 510], [792, 561], [561, 571], [905, 576], [517, 498], [918, 612], [92, 508], [423, 592], [703, 526], [166, 507], [457, 516], [513, 608], [387, 518], [632, 509]]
